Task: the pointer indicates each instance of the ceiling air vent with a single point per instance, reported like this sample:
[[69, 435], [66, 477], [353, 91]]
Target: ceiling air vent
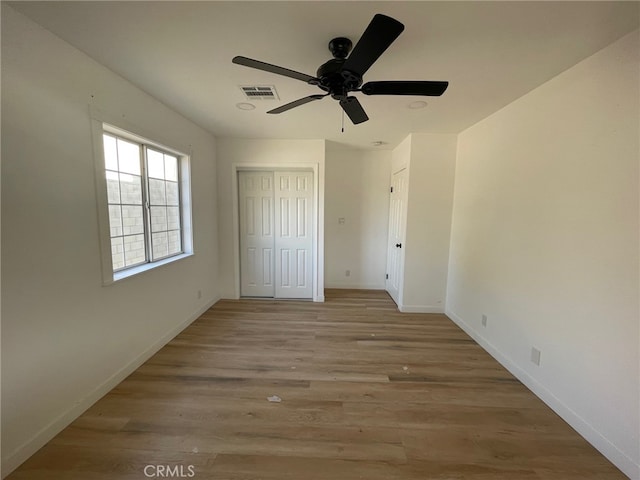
[[259, 92]]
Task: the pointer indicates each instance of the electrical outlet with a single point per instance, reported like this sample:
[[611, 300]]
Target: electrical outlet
[[347, 273], [535, 356], [199, 294], [484, 321]]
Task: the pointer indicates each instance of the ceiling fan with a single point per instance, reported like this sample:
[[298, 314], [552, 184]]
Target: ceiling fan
[[343, 73]]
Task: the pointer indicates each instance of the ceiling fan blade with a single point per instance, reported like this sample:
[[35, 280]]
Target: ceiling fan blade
[[354, 110], [430, 89], [267, 67], [381, 32], [296, 103]]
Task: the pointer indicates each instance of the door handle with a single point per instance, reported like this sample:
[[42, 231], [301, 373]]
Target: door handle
[[398, 245]]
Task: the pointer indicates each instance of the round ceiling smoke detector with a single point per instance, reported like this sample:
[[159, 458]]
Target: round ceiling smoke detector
[[245, 106], [417, 104]]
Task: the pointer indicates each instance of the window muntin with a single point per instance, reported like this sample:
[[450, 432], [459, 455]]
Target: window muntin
[[144, 202]]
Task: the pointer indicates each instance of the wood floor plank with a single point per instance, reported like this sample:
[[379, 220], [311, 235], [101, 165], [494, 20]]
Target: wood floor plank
[[366, 392]]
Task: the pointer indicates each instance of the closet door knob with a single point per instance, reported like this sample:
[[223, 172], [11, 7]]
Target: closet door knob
[[398, 245]]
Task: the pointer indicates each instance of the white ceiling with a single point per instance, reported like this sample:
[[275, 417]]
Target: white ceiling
[[490, 52]]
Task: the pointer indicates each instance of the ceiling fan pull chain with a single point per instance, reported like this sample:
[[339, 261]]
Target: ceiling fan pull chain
[[342, 121]]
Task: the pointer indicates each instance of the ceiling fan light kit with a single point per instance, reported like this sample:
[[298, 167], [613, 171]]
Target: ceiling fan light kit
[[343, 74]]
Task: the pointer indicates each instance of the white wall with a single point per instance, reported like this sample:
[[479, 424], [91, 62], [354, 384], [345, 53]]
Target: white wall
[[356, 189], [66, 339], [430, 161], [429, 206], [545, 243], [401, 155], [233, 152]]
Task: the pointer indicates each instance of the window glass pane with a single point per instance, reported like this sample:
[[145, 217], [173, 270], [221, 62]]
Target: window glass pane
[[160, 245], [132, 219], [115, 220], [144, 201], [134, 249], [155, 163], [173, 218], [173, 195], [130, 189], [110, 152], [171, 167], [175, 244], [128, 157], [158, 219], [113, 187], [156, 192], [117, 253]]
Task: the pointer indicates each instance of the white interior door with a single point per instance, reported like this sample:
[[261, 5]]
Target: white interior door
[[293, 234], [257, 252], [397, 228]]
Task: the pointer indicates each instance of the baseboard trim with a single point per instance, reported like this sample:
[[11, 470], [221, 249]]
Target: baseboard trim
[[16, 458], [420, 309], [620, 459]]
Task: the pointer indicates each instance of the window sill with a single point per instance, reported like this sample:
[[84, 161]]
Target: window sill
[[130, 272]]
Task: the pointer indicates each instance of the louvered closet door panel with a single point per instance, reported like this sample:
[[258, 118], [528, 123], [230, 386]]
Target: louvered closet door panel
[[257, 255], [293, 234]]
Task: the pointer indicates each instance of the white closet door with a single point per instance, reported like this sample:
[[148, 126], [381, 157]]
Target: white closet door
[[293, 234], [257, 255]]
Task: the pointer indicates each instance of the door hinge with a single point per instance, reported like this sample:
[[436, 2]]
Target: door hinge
[[386, 277], [391, 189]]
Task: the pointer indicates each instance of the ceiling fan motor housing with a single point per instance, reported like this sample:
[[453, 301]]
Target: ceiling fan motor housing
[[331, 77]]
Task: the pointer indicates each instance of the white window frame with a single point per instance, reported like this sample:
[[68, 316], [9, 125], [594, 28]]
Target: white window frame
[[109, 276]]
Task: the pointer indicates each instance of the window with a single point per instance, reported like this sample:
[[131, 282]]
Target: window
[[146, 200]]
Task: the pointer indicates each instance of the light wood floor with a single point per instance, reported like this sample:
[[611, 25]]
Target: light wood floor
[[367, 393]]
